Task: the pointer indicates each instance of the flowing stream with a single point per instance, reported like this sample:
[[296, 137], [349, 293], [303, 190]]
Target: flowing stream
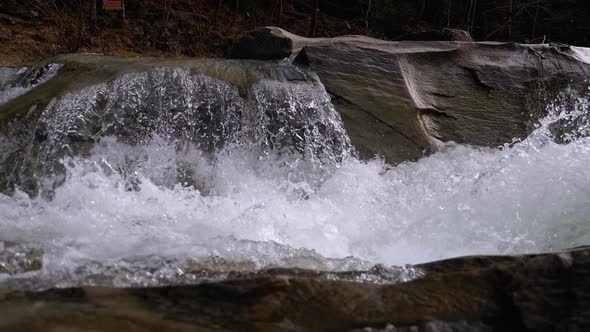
[[123, 184]]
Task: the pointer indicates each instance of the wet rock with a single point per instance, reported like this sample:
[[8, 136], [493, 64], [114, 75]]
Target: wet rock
[[439, 35], [37, 75], [74, 102], [7, 20], [404, 99], [218, 264], [262, 44], [434, 326], [521, 293], [18, 258]]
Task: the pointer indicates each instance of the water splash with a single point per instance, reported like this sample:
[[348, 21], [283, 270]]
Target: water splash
[[16, 82], [293, 122], [124, 213]]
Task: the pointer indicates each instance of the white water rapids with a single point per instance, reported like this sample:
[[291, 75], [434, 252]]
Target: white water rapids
[[530, 196]]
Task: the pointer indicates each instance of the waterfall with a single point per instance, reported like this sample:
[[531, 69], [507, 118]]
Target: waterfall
[[157, 175]]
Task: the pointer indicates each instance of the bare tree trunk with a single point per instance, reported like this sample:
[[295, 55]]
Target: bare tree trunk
[[368, 14], [473, 16], [94, 14], [469, 15], [421, 11], [449, 14], [168, 9], [280, 13], [535, 22], [314, 19], [217, 8], [123, 12], [510, 10], [235, 14]]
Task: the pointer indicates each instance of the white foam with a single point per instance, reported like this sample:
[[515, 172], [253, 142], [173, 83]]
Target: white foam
[[458, 202], [9, 89], [531, 197]]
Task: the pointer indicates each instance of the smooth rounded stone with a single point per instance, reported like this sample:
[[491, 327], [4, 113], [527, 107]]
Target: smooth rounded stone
[[548, 292], [434, 326], [439, 35], [7, 74], [261, 44], [219, 264], [404, 99]]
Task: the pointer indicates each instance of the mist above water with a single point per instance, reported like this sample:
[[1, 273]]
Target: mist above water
[[253, 207]]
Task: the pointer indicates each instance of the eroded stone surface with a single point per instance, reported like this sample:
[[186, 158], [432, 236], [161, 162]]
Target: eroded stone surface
[[208, 105], [425, 94], [19, 258], [261, 44], [403, 99], [521, 293]]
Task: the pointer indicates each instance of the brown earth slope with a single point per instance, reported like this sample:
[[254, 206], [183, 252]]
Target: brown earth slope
[[182, 28], [34, 29]]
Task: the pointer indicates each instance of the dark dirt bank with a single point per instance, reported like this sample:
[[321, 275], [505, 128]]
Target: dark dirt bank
[[31, 29]]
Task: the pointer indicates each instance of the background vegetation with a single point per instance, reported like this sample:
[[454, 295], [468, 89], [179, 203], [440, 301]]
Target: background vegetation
[[38, 28]]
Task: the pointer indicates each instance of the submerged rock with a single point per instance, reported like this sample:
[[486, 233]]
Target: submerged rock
[[274, 111], [521, 293], [16, 258], [262, 44], [439, 35]]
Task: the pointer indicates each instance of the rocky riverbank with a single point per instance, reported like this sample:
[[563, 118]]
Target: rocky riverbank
[[403, 99], [400, 100], [519, 293], [33, 30]]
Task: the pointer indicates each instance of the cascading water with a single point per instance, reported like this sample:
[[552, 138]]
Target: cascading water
[[12, 88], [156, 174]]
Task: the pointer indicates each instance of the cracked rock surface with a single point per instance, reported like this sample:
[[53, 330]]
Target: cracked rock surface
[[482, 293], [404, 99]]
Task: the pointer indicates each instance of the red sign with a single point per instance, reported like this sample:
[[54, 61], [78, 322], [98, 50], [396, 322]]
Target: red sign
[[112, 4]]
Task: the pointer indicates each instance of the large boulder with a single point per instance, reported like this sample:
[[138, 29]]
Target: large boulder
[[263, 44], [520, 293], [439, 35], [403, 99], [66, 106], [18, 258], [272, 43]]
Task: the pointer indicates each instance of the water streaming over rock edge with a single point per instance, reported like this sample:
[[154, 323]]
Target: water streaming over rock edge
[[18, 81], [150, 205]]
